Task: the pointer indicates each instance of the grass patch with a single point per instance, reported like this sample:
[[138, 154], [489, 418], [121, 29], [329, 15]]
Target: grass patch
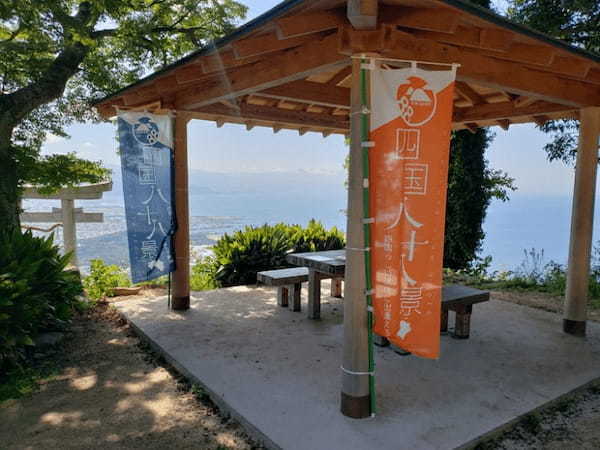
[[532, 275], [20, 382]]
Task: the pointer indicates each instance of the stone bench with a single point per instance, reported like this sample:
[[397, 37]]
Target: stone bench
[[289, 284], [459, 299]]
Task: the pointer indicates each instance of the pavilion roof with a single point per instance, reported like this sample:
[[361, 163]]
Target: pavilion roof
[[290, 67]]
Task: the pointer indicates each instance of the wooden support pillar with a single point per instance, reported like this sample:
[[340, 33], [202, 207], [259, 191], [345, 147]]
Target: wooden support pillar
[[582, 222], [181, 276], [69, 228], [355, 384]]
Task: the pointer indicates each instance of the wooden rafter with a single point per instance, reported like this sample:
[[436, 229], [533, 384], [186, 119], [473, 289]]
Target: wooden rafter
[[266, 43], [469, 94], [441, 20], [304, 24], [495, 73], [523, 101], [340, 76], [505, 110], [504, 124], [311, 92], [541, 120], [271, 115], [281, 68]]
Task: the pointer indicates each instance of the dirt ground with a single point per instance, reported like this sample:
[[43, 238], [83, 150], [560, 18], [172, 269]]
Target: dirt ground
[[540, 300], [111, 393]]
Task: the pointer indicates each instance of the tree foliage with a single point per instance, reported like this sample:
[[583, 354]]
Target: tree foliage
[[58, 55], [576, 22], [471, 187]]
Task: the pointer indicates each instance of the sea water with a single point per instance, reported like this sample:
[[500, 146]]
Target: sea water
[[224, 203]]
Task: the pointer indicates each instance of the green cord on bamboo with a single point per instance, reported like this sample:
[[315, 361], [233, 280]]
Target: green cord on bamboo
[[364, 134]]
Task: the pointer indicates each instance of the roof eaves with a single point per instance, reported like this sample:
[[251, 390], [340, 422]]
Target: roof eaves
[[242, 30], [491, 16]]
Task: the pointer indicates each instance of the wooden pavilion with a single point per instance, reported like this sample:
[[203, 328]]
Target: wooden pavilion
[[293, 68]]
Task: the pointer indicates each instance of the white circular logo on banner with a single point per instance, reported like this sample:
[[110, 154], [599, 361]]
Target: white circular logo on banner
[[417, 103]]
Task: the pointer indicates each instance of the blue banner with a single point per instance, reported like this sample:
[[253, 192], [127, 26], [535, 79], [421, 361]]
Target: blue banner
[[146, 144]]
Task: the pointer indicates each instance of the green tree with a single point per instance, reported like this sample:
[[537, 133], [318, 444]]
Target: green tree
[[471, 187], [58, 55], [576, 22]]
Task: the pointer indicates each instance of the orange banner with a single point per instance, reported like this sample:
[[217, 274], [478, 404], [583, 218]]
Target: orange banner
[[411, 117]]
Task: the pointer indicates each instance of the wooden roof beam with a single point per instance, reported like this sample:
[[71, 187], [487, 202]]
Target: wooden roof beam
[[311, 92], [340, 76], [472, 127], [504, 124], [441, 20], [282, 67], [491, 72], [266, 43], [541, 120], [469, 93], [487, 39], [523, 101], [304, 24], [505, 110], [259, 113], [362, 14]]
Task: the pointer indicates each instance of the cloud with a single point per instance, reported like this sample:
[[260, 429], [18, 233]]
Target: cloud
[[53, 139], [88, 144]]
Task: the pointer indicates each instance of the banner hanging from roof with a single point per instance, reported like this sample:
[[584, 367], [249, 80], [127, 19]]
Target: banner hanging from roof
[[146, 148], [411, 117]]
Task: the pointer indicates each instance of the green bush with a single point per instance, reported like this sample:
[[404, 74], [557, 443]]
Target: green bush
[[103, 279], [36, 292], [315, 238], [244, 253], [239, 256], [203, 277]]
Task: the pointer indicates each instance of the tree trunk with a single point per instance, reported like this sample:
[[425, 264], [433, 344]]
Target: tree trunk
[[9, 188]]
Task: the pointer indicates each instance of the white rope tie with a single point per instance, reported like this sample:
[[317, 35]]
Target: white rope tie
[[368, 249], [350, 372], [369, 220], [370, 292], [367, 144]]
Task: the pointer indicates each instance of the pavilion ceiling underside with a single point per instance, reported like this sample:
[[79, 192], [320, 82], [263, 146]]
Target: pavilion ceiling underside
[[295, 72]]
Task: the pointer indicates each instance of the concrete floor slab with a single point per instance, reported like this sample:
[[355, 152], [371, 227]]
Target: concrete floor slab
[[279, 373]]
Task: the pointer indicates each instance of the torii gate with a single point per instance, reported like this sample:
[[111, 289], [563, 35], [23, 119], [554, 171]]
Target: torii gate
[[67, 215], [292, 68]]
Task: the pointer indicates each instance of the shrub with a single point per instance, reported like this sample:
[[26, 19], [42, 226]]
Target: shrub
[[203, 277], [238, 257], [103, 279], [36, 292], [241, 255], [315, 238]]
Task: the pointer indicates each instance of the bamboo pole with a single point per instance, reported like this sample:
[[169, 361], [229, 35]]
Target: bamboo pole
[[356, 400], [181, 276], [582, 222]]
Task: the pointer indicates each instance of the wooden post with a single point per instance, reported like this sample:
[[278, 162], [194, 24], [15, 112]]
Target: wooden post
[[69, 230], [355, 385], [582, 221], [181, 276], [362, 14]]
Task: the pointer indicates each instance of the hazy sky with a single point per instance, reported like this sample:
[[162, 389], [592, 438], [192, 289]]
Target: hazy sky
[[233, 149]]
